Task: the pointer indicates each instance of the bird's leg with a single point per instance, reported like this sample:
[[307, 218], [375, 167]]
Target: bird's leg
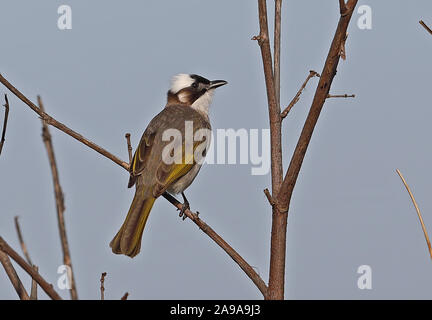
[[185, 207]]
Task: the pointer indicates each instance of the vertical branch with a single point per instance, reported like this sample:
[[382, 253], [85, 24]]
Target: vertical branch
[[21, 240], [273, 106], [13, 276], [277, 48], [129, 147], [46, 136], [2, 139], [102, 285], [279, 221], [33, 292]]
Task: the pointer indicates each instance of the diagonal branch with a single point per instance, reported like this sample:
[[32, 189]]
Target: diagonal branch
[[250, 272], [53, 122], [13, 276], [418, 211], [425, 26], [48, 288], [296, 98], [194, 217], [2, 139], [59, 199]]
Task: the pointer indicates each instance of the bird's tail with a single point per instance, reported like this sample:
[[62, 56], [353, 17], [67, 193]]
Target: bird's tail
[[128, 240]]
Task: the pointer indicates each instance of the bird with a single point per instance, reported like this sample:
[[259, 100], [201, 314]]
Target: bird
[[154, 170]]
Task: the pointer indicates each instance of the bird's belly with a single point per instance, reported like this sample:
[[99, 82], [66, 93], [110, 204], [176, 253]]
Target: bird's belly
[[181, 184]]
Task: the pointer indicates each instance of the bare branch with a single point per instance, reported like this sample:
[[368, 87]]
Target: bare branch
[[48, 288], [13, 276], [53, 122], [250, 272], [283, 197], [21, 240], [418, 211], [2, 140], [194, 217], [341, 96], [342, 7], [102, 287], [125, 296], [296, 98], [129, 147], [59, 200], [425, 26], [33, 292]]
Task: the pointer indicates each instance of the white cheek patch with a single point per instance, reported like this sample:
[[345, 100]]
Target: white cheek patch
[[202, 104], [180, 81]]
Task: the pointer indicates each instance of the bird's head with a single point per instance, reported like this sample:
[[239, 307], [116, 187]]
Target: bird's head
[[193, 90]]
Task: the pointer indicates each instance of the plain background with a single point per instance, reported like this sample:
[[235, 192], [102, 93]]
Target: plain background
[[109, 75]]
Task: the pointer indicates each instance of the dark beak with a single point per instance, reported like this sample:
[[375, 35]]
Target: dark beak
[[217, 83]]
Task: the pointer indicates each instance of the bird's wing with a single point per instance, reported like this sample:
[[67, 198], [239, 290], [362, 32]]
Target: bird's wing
[[165, 174]]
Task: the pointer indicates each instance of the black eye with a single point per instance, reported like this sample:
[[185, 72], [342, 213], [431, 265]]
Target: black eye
[[195, 85]]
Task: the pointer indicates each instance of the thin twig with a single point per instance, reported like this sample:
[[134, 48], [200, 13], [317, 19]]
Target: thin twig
[[59, 200], [340, 96], [225, 246], [296, 98], [269, 196], [2, 140], [125, 296], [129, 147], [13, 276], [21, 240], [418, 211], [425, 26], [53, 122], [277, 48], [33, 292], [48, 288], [250, 272], [102, 287]]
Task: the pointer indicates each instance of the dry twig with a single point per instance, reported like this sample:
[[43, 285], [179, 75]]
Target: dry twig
[[6, 116], [59, 200], [21, 240], [418, 211], [13, 276], [341, 96], [425, 26], [102, 287], [48, 288], [296, 98], [125, 296], [129, 147]]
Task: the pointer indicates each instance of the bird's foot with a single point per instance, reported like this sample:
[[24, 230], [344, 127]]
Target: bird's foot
[[185, 207]]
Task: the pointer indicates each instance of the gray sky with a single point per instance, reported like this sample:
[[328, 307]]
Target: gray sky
[[109, 75]]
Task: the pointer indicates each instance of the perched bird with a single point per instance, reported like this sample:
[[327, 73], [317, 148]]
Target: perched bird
[[167, 165]]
